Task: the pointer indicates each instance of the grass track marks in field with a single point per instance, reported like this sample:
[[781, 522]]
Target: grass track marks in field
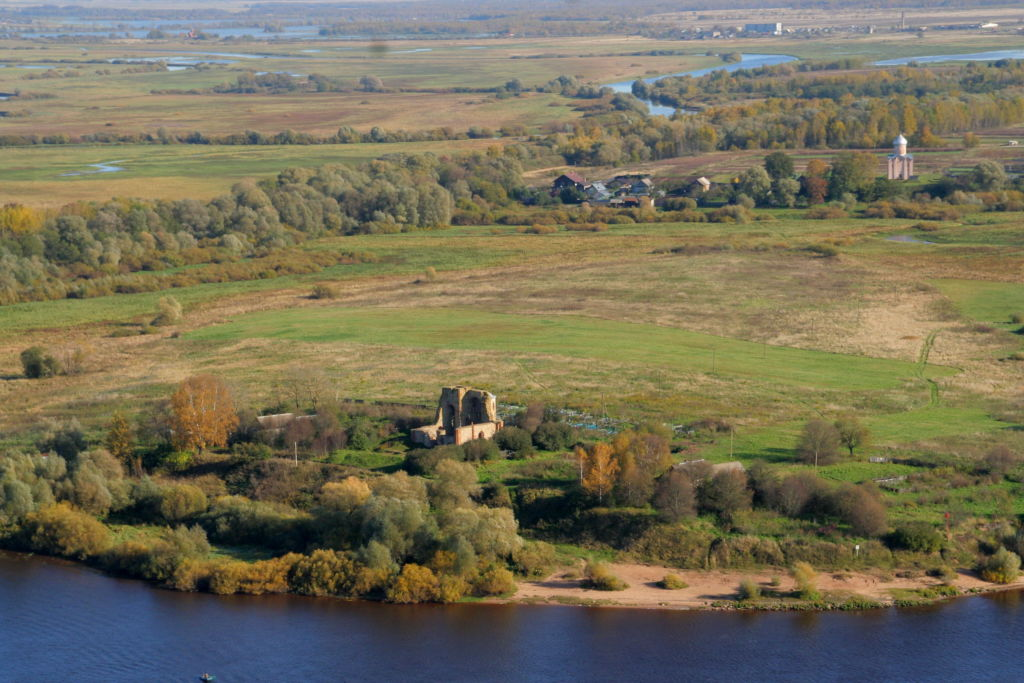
[[922, 366], [670, 349]]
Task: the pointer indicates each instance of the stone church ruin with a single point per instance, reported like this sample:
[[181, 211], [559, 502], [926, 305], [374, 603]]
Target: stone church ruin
[[463, 414]]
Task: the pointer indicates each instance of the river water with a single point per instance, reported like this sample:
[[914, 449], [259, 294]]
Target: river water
[[62, 622], [748, 61]]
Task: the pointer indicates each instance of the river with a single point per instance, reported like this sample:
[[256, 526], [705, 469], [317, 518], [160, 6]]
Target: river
[[62, 622], [751, 61]]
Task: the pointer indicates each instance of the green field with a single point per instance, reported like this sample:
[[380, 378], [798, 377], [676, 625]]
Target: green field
[[38, 175], [659, 348], [990, 302]]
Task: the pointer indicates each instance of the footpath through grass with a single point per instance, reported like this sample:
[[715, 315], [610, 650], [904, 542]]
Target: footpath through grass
[[664, 348]]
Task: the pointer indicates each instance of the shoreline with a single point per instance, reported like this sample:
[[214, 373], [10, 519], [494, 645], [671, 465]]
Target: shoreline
[[706, 590], [716, 590]]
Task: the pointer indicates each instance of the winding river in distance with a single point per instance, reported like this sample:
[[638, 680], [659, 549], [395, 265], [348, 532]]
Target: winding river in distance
[[747, 61], [63, 622]]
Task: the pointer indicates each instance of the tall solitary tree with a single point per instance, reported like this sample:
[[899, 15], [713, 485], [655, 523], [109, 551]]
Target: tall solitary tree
[[819, 443], [202, 414], [852, 433]]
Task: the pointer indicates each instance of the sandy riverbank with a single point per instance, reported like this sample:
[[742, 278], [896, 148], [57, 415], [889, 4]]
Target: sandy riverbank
[[707, 587]]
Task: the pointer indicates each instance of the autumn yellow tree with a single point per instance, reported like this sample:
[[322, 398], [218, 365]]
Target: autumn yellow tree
[[202, 414], [598, 469], [120, 442], [17, 218]]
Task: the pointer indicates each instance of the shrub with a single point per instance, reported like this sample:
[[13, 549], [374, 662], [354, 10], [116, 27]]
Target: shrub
[[539, 229], [494, 580], [825, 212], [535, 559], [1017, 318], [515, 440], [451, 588], [226, 577], [168, 311], [806, 581], [749, 590], [1000, 460], [322, 291], [745, 551], [823, 250], [1001, 567], [862, 508], [672, 582], [414, 584], [480, 449], [65, 439], [726, 493], [37, 362], [62, 530], [731, 213], [554, 436], [179, 502], [598, 577], [587, 227], [919, 537], [324, 572], [249, 450], [947, 574], [425, 460]]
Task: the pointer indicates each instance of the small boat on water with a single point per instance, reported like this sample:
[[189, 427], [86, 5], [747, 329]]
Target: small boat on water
[[207, 677]]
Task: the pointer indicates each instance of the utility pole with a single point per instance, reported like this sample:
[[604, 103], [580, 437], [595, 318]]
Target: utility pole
[[714, 361], [295, 451]]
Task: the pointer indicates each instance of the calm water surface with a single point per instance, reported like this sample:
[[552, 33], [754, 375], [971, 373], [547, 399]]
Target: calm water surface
[[60, 622], [747, 61]]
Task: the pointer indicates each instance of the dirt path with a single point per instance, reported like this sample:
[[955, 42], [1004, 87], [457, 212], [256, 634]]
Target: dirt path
[[706, 587]]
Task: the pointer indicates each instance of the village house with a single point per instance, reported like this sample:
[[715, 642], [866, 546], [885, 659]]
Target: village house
[[570, 179], [622, 191]]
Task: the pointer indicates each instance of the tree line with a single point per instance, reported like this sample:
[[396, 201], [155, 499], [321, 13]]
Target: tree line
[[122, 245]]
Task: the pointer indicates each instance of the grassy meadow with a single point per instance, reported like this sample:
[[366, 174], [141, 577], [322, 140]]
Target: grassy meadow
[[38, 176], [754, 330]]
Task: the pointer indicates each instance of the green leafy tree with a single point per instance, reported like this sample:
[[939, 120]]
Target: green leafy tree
[[756, 184], [851, 173], [515, 440], [784, 192], [988, 175], [779, 165], [852, 433]]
